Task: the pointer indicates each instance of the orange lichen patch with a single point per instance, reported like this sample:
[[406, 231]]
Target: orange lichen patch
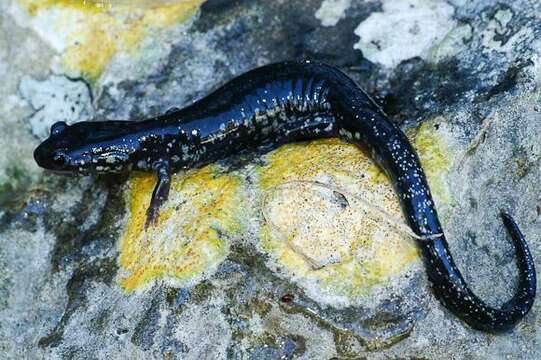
[[190, 238], [337, 241], [93, 32]]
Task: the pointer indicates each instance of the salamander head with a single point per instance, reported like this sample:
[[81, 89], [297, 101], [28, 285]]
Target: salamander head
[[85, 148]]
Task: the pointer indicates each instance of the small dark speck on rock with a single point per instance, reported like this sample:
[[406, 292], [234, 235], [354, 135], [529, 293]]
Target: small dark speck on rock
[[341, 199], [287, 298], [121, 331]]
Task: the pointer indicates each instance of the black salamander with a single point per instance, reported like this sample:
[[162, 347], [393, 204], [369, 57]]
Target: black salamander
[[273, 105]]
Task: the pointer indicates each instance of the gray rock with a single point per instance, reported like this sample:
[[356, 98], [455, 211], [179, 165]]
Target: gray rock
[[464, 77]]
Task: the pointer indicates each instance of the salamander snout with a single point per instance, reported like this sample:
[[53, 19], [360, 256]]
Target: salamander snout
[[56, 160], [48, 155], [54, 153]]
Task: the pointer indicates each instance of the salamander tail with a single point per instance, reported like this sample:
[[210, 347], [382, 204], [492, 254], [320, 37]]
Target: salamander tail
[[523, 300], [453, 291]]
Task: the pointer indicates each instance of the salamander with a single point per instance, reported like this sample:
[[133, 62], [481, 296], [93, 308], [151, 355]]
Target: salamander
[[273, 105]]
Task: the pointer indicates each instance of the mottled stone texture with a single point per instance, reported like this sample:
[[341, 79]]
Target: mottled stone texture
[[463, 78]]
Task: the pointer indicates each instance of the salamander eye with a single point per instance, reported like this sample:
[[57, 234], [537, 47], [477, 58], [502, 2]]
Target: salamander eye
[[60, 159], [58, 127]]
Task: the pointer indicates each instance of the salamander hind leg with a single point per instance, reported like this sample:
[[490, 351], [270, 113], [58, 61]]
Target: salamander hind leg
[[160, 193]]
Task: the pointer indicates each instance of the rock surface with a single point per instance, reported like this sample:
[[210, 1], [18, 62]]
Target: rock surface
[[251, 259]]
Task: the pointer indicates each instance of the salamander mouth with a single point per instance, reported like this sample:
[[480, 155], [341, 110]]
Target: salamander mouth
[[67, 173], [71, 172]]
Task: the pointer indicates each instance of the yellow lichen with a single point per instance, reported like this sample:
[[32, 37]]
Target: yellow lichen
[[95, 31], [343, 249], [307, 160], [436, 160], [190, 238]]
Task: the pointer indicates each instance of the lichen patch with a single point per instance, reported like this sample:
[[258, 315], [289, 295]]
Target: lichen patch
[[323, 238], [332, 11], [93, 32], [436, 159], [190, 238], [337, 243], [421, 24]]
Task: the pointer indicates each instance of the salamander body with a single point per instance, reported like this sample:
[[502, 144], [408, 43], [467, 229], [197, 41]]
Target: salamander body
[[273, 105]]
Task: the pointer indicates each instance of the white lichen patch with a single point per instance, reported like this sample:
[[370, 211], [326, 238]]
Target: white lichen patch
[[332, 11], [452, 42], [404, 30], [56, 98], [496, 26], [499, 35]]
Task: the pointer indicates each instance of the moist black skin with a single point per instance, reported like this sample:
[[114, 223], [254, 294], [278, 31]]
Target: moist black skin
[[274, 105]]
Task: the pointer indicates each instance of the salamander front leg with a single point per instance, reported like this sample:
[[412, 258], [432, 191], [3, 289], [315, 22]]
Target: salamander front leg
[[160, 193]]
